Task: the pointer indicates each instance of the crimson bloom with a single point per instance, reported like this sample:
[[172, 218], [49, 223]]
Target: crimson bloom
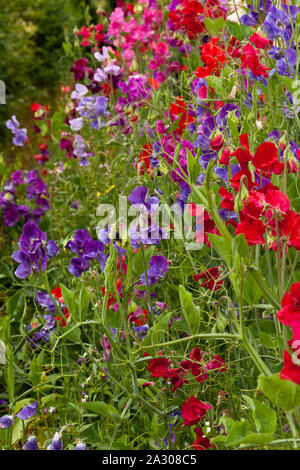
[[290, 370], [250, 59], [159, 367], [193, 410], [201, 443], [211, 278], [290, 315]]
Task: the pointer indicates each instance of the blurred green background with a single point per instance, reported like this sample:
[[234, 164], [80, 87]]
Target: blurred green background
[[33, 62]]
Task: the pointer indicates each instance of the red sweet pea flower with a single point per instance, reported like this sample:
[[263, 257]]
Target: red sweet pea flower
[[217, 142], [178, 109], [259, 216], [194, 365], [266, 158], [253, 231], [290, 311], [154, 83], [193, 410], [214, 58], [259, 41], [211, 278], [236, 180], [290, 228], [209, 227], [201, 443], [177, 377], [250, 59], [225, 157], [227, 199], [243, 154], [57, 293], [159, 367], [143, 164], [216, 363], [290, 370], [290, 315]]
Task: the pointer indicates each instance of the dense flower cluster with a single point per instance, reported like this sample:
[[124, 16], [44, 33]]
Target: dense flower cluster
[[200, 109]]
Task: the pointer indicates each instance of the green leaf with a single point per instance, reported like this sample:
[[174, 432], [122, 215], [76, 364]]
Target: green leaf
[[222, 247], [103, 409], [235, 30], [252, 292], [237, 433], [15, 304], [216, 83], [193, 166], [70, 302], [156, 333], [84, 300], [214, 26], [72, 334], [264, 417], [257, 438], [36, 368], [267, 341], [191, 312], [138, 266], [283, 393]]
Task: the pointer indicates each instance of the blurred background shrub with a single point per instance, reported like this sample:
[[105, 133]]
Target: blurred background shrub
[[33, 60]]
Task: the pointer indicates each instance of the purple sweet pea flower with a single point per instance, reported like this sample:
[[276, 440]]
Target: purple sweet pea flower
[[56, 443], [87, 249], [17, 177], [32, 254], [31, 444], [80, 446], [45, 301], [20, 134], [28, 411], [6, 421], [76, 124], [80, 92], [158, 267], [141, 331], [52, 249]]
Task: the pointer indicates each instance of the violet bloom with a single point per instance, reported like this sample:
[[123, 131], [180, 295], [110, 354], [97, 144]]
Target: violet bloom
[[33, 253], [31, 444], [56, 443], [87, 249], [277, 21], [80, 446], [17, 177], [141, 331], [100, 76], [20, 134], [6, 421], [103, 56], [80, 92], [158, 267], [45, 301], [44, 333], [28, 411], [147, 230], [90, 108], [81, 151]]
